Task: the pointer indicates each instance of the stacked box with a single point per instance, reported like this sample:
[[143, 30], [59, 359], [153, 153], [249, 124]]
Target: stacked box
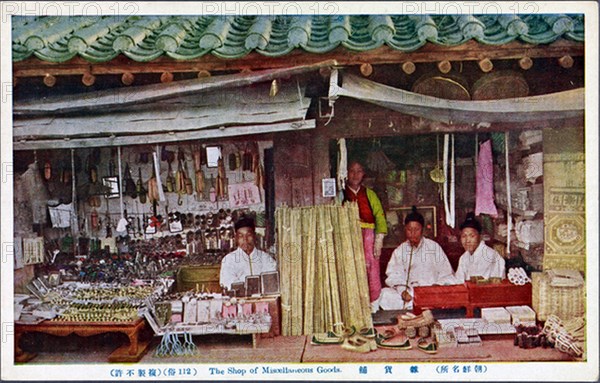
[[497, 315], [521, 315]]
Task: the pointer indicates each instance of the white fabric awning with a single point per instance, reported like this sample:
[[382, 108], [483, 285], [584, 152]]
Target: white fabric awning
[[231, 105], [561, 105]]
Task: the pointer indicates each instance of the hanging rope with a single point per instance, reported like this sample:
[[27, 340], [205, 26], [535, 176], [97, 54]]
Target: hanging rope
[[74, 220], [121, 209], [332, 94], [508, 199], [161, 193], [452, 186], [342, 170], [449, 200]]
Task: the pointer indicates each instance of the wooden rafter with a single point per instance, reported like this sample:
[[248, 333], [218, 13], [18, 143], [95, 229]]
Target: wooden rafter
[[471, 51]]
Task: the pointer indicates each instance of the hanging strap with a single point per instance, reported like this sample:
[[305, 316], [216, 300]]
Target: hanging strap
[[452, 185], [449, 203], [74, 220], [508, 199], [120, 183], [342, 164]]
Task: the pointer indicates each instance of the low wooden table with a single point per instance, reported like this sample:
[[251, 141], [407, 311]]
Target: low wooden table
[[497, 295], [132, 352], [471, 296], [440, 297]]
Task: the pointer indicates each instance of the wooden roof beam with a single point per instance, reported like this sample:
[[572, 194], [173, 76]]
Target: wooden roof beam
[[470, 51]]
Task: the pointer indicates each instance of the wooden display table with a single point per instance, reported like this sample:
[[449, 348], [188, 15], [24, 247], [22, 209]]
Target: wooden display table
[[497, 295], [132, 352], [440, 297], [470, 296]]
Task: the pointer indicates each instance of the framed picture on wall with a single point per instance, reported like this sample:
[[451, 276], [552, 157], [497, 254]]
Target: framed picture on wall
[[329, 187], [395, 219]]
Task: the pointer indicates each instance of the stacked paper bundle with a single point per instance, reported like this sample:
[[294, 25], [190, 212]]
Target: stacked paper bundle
[[497, 315], [467, 337], [445, 335], [522, 315]]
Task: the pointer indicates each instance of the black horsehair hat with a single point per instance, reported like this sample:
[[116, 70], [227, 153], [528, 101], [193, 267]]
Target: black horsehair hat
[[245, 222], [414, 216], [471, 222]]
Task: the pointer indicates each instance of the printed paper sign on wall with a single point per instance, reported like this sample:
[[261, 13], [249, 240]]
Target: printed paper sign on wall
[[243, 194]]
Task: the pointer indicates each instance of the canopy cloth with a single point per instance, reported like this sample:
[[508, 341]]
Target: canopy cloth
[[561, 105], [230, 105]]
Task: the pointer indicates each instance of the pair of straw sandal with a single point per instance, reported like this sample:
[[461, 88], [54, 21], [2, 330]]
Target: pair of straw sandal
[[409, 319], [395, 339], [331, 337], [368, 339], [362, 340]]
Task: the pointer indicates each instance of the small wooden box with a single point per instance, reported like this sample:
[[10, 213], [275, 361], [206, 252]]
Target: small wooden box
[[440, 297], [192, 277]]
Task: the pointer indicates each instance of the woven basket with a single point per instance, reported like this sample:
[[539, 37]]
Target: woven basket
[[564, 302]]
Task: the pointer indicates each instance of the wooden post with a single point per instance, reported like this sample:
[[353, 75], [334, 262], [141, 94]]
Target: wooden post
[[166, 77], [127, 78], [409, 67], [366, 69], [566, 61], [444, 66], [526, 63], [88, 79], [486, 65], [203, 73], [49, 80]]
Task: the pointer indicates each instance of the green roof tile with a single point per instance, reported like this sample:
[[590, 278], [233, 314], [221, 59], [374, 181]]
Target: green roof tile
[[145, 38]]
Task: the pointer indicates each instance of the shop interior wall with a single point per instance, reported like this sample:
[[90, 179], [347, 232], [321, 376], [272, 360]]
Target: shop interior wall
[[59, 186], [412, 148]]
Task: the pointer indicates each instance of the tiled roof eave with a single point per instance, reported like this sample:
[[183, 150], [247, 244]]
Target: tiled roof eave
[[145, 38]]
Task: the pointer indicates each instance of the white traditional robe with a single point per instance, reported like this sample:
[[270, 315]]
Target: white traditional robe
[[484, 262], [236, 265], [429, 266]]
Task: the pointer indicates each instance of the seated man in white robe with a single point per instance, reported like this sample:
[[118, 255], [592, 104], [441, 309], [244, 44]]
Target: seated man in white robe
[[246, 259], [418, 261], [478, 259]]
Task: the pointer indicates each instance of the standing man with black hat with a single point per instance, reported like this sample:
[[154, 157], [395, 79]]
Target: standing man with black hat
[[246, 259], [418, 261]]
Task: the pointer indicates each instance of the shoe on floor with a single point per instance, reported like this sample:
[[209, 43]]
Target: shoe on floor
[[427, 345], [357, 343], [368, 332], [393, 338], [331, 337]]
